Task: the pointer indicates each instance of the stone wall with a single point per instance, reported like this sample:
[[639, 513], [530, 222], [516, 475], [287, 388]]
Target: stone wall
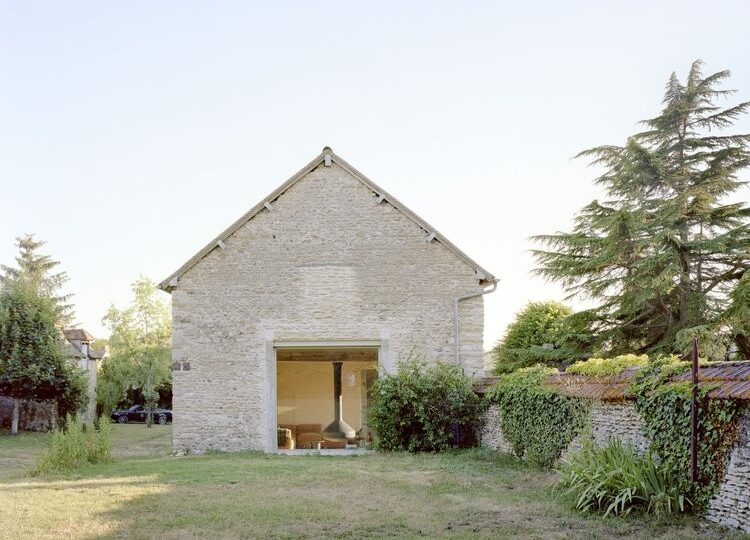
[[607, 420], [611, 420], [619, 420], [34, 415], [492, 434], [329, 261], [731, 505]]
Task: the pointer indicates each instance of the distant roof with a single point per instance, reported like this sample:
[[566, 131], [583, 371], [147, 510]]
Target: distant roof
[[77, 334], [74, 347], [483, 275]]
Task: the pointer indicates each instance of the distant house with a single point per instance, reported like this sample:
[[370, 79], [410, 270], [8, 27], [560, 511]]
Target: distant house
[[315, 290], [41, 415], [78, 349]]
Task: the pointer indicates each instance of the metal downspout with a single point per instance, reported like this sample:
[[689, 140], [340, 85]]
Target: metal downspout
[[455, 314]]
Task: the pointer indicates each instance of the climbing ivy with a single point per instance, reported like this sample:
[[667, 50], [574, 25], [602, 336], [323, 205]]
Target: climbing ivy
[[538, 422], [664, 407]]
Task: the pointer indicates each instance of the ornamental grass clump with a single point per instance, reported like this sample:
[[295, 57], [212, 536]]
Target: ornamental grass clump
[[76, 444], [423, 409], [615, 480]]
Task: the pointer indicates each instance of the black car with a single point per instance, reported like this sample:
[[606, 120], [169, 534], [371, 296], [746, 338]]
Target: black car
[[138, 413]]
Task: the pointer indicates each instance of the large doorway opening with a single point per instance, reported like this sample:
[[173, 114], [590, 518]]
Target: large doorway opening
[[322, 396]]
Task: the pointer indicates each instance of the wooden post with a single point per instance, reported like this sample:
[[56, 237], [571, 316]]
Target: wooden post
[[694, 415]]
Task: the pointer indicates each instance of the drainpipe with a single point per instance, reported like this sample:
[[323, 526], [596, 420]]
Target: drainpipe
[[455, 313]]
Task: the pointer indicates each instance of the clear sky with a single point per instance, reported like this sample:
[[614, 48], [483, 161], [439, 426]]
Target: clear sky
[[131, 133]]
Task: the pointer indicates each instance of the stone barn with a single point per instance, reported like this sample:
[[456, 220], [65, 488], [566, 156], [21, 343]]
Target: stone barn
[[284, 320]]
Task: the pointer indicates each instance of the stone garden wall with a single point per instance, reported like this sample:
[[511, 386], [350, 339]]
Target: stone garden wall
[[612, 420], [34, 415], [619, 420], [731, 505]]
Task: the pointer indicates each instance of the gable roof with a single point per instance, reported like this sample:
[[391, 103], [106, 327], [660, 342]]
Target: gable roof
[[77, 334], [75, 338], [326, 157]]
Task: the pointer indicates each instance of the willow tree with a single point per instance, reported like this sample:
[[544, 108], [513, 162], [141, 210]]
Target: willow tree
[[661, 257]]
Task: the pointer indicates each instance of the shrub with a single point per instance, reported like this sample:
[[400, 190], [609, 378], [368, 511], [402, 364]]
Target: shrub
[[525, 341], [614, 479], [76, 444], [603, 367], [538, 422], [418, 408]]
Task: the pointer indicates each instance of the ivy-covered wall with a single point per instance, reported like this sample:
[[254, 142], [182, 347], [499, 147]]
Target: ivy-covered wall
[[611, 420], [730, 506]]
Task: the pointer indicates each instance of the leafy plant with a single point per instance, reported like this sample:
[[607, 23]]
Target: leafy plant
[[543, 332], [75, 445], [665, 410], [615, 480], [603, 367], [419, 407], [538, 422]]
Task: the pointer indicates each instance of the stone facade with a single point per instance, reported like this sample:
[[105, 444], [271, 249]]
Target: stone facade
[[328, 260], [731, 505]]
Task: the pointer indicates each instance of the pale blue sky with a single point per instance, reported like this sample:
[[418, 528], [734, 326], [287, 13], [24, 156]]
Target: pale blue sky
[[131, 133]]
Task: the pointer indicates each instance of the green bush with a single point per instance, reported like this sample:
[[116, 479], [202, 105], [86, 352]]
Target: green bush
[[538, 422], [76, 444], [528, 338], [603, 367], [417, 408], [615, 480]]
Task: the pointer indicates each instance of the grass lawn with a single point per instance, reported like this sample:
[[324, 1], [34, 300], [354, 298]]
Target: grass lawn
[[147, 493]]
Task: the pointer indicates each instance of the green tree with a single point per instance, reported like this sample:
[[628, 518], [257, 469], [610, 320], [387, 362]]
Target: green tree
[[38, 271], [140, 349], [542, 333], [32, 364], [662, 255], [738, 316]]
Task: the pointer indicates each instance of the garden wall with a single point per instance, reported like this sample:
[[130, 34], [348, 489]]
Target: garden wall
[[731, 505], [619, 420], [35, 415]]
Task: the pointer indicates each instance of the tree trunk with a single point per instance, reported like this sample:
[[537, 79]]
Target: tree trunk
[[743, 346], [16, 416]]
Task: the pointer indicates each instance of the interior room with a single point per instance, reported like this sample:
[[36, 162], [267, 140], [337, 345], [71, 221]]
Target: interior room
[[322, 397]]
